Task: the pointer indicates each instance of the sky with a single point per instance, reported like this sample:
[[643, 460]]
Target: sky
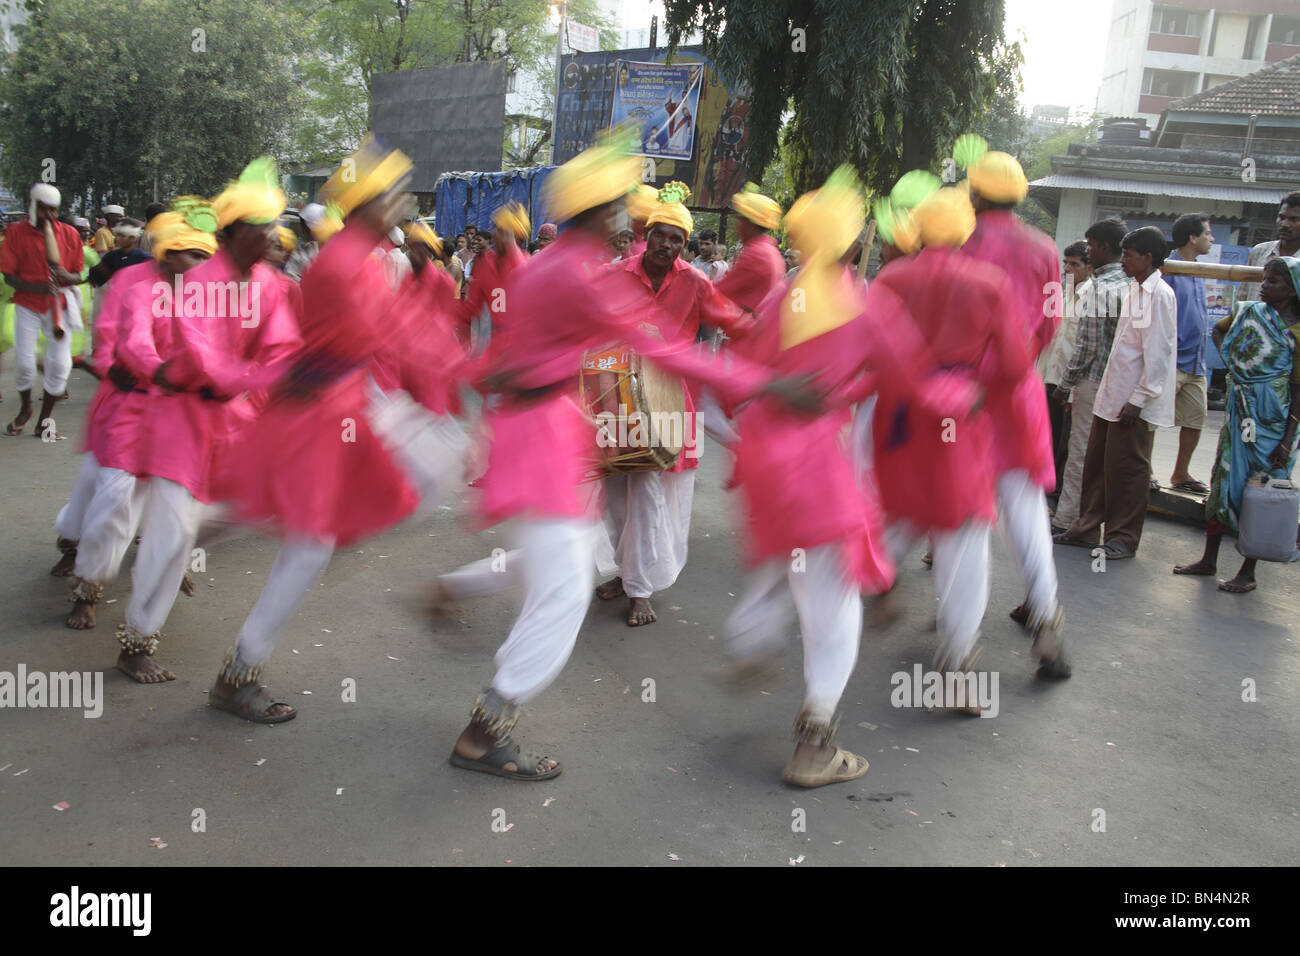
[[1064, 45]]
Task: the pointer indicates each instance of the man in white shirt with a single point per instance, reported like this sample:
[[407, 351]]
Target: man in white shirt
[[1136, 395]]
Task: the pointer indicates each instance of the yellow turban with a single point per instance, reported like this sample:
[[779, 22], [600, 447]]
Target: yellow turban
[[420, 232], [189, 224], [757, 208], [822, 225], [371, 171], [641, 202], [598, 175], [946, 218], [288, 241], [669, 208], [254, 197], [897, 226], [513, 217], [998, 177]]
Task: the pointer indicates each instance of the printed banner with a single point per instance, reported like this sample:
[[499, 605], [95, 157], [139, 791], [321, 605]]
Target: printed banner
[[663, 101]]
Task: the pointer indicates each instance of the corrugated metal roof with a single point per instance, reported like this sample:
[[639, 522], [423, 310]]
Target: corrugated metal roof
[[1145, 188]]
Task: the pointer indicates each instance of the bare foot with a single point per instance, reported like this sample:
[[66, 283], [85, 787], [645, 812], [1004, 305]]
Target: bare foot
[[1238, 585], [66, 564], [886, 608], [82, 616], [1200, 567], [610, 589], [439, 599], [187, 585], [640, 612], [141, 667]]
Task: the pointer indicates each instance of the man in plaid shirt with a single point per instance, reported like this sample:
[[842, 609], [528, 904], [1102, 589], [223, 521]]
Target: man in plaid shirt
[[1099, 312]]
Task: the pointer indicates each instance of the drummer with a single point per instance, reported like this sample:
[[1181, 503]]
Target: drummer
[[648, 513]]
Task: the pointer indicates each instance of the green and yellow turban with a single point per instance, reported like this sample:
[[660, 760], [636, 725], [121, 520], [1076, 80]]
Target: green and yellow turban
[[255, 197], [822, 225], [189, 224], [669, 208], [761, 210], [371, 171], [995, 175], [947, 218], [598, 175], [514, 218]]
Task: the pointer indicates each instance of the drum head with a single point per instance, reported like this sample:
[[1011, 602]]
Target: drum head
[[660, 396]]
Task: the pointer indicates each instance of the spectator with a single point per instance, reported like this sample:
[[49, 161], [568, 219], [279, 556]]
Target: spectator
[[710, 260], [1077, 275], [1136, 395], [1192, 238], [1287, 243], [104, 239]]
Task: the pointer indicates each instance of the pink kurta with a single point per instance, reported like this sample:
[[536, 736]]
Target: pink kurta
[[311, 466], [757, 270], [934, 473], [184, 435], [1022, 438], [559, 306], [113, 416], [430, 364]]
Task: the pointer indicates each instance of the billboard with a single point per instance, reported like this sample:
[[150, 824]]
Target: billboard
[[714, 168], [661, 101], [446, 118]]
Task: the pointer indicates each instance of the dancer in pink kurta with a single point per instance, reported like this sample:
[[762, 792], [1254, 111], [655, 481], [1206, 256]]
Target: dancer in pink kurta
[[229, 309], [1022, 445], [111, 418]]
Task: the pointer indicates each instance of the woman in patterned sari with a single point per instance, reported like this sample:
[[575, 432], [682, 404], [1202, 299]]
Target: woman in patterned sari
[[1258, 343]]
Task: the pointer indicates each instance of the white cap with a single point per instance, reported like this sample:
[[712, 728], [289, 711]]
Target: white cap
[[42, 193], [312, 214], [396, 236], [118, 210], [81, 222]]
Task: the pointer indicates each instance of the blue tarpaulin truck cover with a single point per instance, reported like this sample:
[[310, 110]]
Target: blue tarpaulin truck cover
[[470, 199]]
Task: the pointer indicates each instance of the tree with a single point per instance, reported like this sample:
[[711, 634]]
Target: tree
[[140, 99], [886, 86]]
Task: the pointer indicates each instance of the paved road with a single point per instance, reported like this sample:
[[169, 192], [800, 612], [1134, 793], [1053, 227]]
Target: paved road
[[1152, 729]]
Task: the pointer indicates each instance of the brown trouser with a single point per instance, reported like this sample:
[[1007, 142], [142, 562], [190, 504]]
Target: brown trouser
[[1116, 482]]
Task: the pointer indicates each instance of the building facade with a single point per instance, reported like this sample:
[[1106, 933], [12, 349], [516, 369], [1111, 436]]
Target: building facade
[[1160, 52]]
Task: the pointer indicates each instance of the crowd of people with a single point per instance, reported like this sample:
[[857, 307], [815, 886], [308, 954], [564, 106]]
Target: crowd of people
[[301, 373]]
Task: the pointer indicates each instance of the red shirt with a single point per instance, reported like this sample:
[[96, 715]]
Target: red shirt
[[23, 256]]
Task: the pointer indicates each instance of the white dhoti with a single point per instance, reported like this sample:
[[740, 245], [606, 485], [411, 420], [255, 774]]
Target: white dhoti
[[556, 565], [861, 438], [108, 523], [648, 526], [829, 608], [170, 525], [1024, 510], [961, 582], [28, 325], [298, 564], [67, 524]]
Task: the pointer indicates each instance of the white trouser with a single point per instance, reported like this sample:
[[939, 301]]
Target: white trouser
[[961, 582], [1083, 397], [829, 608], [170, 524], [557, 566], [1024, 511], [648, 522], [71, 515], [108, 525], [504, 569], [298, 564], [58, 352], [862, 438]]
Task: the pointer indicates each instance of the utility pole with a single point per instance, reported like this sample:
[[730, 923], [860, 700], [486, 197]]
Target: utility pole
[[560, 7]]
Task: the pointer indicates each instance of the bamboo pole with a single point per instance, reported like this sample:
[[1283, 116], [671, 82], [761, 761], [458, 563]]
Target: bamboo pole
[[866, 249], [1213, 270]]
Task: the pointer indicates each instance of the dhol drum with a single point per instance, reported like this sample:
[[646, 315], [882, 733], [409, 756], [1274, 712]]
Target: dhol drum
[[638, 410]]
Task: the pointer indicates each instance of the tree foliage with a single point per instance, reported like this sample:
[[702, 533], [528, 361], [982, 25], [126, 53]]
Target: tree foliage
[[128, 99], [885, 85]]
